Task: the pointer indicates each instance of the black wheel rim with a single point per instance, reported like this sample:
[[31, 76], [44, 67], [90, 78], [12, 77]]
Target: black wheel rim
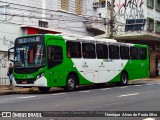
[[71, 83], [124, 79]]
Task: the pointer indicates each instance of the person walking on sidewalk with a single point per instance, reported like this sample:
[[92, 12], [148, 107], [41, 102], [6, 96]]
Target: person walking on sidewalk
[[10, 73]]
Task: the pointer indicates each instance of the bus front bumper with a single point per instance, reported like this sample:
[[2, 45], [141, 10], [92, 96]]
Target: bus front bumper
[[41, 82]]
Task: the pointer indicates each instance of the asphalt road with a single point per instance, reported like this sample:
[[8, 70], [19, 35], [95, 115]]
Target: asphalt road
[[134, 97]]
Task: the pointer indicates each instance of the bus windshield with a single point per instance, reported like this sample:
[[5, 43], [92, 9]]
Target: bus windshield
[[29, 55]]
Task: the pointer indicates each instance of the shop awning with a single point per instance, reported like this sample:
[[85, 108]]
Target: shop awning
[[38, 30]]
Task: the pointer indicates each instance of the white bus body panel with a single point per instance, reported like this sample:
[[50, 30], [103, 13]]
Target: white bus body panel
[[99, 70], [90, 69], [106, 70]]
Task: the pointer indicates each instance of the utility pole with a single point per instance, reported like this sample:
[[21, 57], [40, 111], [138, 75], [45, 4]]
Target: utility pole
[[111, 21]]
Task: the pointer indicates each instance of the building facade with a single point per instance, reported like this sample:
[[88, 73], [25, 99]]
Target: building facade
[[134, 21], [138, 21]]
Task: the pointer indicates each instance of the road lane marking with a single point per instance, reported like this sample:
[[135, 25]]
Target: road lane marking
[[124, 87], [137, 85], [59, 94], [106, 89], [150, 84], [26, 97], [128, 95], [149, 119], [85, 91]]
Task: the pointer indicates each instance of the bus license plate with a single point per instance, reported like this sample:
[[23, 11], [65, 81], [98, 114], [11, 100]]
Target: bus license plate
[[24, 82]]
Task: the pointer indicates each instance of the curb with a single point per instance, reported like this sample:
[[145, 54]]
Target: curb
[[144, 80], [6, 90]]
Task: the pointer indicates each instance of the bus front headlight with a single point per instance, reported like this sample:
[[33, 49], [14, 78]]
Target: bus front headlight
[[40, 75]]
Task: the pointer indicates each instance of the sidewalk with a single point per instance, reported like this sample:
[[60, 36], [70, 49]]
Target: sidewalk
[[144, 80], [6, 90]]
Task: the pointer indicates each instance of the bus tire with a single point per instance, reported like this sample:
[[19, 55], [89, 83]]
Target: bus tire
[[71, 83], [44, 89], [124, 79]]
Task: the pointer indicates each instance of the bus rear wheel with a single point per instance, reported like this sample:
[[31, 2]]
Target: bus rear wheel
[[44, 89], [124, 79], [71, 83]]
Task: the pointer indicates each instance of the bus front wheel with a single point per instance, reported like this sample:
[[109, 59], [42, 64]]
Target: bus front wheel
[[44, 89], [71, 83], [124, 79]]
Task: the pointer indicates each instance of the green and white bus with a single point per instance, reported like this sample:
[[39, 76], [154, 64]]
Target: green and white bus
[[67, 61]]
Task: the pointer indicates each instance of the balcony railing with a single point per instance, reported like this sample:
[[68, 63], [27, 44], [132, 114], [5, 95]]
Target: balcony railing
[[96, 25]]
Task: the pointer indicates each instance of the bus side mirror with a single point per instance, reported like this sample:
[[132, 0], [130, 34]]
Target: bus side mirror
[[9, 53]]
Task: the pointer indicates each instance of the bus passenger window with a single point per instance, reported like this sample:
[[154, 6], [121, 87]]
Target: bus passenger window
[[134, 53], [99, 51], [124, 52], [73, 49], [102, 51], [55, 55], [68, 52], [113, 52], [142, 53], [88, 50]]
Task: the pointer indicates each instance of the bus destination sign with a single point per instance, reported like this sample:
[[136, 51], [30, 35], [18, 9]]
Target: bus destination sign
[[28, 39]]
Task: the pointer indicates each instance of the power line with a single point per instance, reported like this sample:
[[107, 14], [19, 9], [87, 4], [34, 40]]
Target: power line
[[40, 9], [35, 2], [36, 25], [36, 17], [36, 8], [13, 8], [58, 17], [28, 6]]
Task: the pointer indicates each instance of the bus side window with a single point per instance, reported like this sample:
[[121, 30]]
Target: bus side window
[[102, 51], [55, 56], [69, 52], [73, 49], [114, 52], [124, 52], [88, 50], [134, 54], [142, 53]]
